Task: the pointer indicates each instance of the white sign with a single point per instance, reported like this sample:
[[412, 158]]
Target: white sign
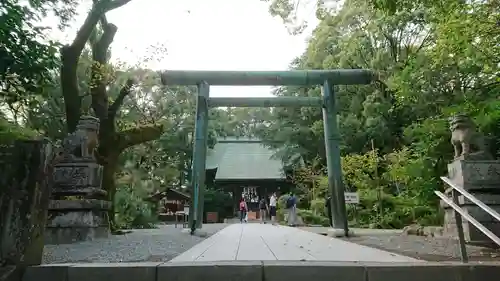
[[351, 197]]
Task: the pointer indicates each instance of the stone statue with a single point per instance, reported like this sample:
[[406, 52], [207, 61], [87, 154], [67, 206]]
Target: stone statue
[[464, 137], [78, 209], [82, 143]]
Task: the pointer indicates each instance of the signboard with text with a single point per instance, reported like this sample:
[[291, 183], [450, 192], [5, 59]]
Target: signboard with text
[[351, 197]]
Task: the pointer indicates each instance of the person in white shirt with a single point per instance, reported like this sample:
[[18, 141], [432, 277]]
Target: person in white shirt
[[272, 207]]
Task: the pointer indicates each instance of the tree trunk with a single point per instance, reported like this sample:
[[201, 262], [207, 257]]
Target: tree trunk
[[112, 144]]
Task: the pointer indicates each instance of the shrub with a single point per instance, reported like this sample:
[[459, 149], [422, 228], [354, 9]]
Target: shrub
[[318, 206], [220, 202], [132, 211], [311, 218]]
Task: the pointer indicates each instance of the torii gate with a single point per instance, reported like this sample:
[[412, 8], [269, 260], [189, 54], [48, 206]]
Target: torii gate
[[326, 78]]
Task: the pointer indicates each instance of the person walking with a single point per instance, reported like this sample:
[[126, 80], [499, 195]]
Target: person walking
[[291, 207], [243, 210], [263, 209], [272, 207]]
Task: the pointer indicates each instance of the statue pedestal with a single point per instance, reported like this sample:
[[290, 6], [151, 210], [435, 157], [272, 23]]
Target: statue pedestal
[[78, 211], [481, 178]]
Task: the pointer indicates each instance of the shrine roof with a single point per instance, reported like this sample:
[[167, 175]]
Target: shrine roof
[[170, 193], [244, 159]]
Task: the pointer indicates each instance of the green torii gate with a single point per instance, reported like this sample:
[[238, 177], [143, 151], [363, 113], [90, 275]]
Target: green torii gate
[[326, 78]]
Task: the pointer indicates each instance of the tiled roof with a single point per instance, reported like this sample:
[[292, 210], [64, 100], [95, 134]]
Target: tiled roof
[[243, 158]]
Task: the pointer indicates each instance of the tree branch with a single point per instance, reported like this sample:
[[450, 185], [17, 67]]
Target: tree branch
[[125, 91], [99, 75], [70, 54], [111, 5], [99, 8], [138, 135]]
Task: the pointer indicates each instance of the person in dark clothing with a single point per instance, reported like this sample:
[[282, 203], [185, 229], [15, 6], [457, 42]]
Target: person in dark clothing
[[328, 206], [291, 209], [263, 209]]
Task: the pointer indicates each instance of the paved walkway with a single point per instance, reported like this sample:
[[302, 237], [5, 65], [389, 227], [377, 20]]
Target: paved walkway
[[264, 242]]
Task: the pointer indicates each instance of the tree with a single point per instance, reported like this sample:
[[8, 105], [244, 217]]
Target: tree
[[432, 59], [111, 141], [27, 58]]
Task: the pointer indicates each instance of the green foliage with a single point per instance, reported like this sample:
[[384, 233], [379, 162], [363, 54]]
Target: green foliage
[[220, 202], [310, 218], [132, 211], [318, 206], [10, 132], [433, 59], [27, 57]]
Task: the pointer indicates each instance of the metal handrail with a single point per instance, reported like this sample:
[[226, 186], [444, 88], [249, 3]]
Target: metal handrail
[[459, 213]]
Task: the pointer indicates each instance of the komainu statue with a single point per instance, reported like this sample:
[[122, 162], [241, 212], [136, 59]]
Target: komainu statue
[[82, 143], [466, 140]]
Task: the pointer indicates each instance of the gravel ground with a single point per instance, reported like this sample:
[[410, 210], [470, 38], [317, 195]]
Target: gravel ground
[[425, 248], [419, 247], [161, 244]]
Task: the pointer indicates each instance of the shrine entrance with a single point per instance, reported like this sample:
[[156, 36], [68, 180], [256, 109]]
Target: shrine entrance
[[325, 78]]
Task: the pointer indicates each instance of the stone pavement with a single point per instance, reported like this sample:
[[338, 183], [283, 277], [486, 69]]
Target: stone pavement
[[265, 242]]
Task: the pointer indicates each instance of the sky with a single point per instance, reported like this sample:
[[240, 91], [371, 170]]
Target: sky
[[203, 35]]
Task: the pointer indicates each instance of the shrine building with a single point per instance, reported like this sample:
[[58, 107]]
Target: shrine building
[[245, 167]]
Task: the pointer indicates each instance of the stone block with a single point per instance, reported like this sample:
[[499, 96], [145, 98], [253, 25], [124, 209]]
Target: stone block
[[475, 175], [196, 271], [73, 218], [414, 272], [486, 198], [68, 226], [77, 175], [83, 204], [442, 271], [52, 272], [480, 272], [313, 270], [476, 236], [475, 211], [68, 235], [143, 271]]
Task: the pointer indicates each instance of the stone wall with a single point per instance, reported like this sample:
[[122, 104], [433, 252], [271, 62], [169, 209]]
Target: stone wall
[[24, 199]]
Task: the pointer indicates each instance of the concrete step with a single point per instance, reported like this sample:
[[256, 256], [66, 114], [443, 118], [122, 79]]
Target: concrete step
[[265, 271]]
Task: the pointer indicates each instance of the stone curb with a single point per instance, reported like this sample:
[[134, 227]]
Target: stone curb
[[338, 232], [264, 271]]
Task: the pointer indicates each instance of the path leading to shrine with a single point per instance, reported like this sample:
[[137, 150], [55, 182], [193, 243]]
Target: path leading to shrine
[[167, 242], [264, 242]]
